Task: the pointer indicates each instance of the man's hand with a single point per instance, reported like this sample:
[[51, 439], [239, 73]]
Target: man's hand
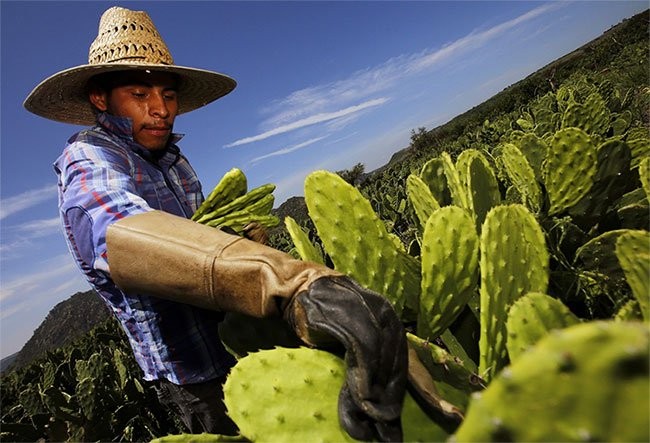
[[376, 352]]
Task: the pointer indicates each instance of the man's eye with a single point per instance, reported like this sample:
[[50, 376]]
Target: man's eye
[[138, 94], [170, 96]]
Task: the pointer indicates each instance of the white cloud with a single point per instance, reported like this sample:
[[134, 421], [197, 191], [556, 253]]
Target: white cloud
[[312, 105], [288, 150], [308, 121], [20, 202], [57, 269]]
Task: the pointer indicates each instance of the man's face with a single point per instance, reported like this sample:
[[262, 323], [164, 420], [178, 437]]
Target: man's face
[[149, 99]]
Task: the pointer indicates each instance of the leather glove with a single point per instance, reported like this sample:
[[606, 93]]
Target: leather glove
[[171, 257], [370, 402]]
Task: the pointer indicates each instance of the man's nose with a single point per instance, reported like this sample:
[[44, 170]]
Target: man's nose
[[158, 106]]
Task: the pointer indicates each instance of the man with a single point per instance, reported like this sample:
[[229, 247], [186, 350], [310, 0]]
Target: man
[[125, 196]]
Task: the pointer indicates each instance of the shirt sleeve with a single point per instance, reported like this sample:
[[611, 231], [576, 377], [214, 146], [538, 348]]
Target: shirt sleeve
[[97, 188]]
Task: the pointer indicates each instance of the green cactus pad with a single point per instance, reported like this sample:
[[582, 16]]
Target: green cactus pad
[[286, 395], [291, 395], [640, 148], [531, 318], [569, 168], [357, 240], [522, 176], [483, 188], [633, 252], [456, 186], [598, 256], [423, 202], [588, 382], [592, 116], [535, 150], [610, 182], [433, 174], [644, 175], [306, 249], [514, 261], [449, 253]]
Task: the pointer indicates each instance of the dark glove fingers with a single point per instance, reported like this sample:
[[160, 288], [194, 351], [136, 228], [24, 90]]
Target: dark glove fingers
[[374, 339]]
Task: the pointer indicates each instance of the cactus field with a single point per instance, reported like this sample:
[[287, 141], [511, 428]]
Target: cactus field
[[517, 255]]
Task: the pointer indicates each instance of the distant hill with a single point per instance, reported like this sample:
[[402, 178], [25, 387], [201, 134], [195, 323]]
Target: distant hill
[[67, 321]]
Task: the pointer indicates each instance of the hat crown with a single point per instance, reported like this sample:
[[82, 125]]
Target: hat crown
[[126, 36]]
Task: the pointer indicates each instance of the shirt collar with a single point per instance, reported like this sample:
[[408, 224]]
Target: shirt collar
[[123, 127]]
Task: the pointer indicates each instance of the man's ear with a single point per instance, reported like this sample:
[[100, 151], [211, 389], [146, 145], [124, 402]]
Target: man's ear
[[99, 99]]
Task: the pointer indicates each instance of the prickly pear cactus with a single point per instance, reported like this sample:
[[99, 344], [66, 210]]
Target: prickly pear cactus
[[433, 174], [535, 150], [633, 252], [291, 395], [514, 261], [456, 186], [482, 188], [588, 382], [644, 175], [357, 240], [592, 116], [522, 176], [306, 249], [423, 202], [286, 395], [531, 318], [449, 253], [569, 168], [611, 180]]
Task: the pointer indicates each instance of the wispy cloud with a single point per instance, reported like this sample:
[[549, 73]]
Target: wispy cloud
[[312, 120], [58, 269], [288, 150], [313, 105], [22, 235], [20, 202]]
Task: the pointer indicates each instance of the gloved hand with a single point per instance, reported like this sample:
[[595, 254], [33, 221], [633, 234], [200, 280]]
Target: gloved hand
[[171, 257], [370, 402]]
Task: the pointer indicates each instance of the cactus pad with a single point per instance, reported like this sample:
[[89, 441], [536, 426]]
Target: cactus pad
[[633, 252], [449, 254], [357, 240], [522, 176], [569, 168], [306, 249], [531, 318], [433, 174], [423, 202], [588, 382], [483, 188], [514, 261]]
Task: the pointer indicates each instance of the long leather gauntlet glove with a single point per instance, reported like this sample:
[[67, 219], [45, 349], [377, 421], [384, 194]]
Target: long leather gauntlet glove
[[170, 257]]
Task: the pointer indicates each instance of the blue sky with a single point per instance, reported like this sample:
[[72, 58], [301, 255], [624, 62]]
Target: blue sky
[[321, 85]]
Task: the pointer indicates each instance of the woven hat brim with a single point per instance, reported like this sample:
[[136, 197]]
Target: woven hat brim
[[63, 96]]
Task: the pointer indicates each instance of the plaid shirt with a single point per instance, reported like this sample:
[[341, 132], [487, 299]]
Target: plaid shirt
[[103, 176]]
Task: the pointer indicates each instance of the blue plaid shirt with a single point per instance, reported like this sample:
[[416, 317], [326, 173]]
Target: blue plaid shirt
[[104, 176]]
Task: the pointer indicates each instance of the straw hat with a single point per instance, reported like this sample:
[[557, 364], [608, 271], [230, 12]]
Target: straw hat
[[126, 40]]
